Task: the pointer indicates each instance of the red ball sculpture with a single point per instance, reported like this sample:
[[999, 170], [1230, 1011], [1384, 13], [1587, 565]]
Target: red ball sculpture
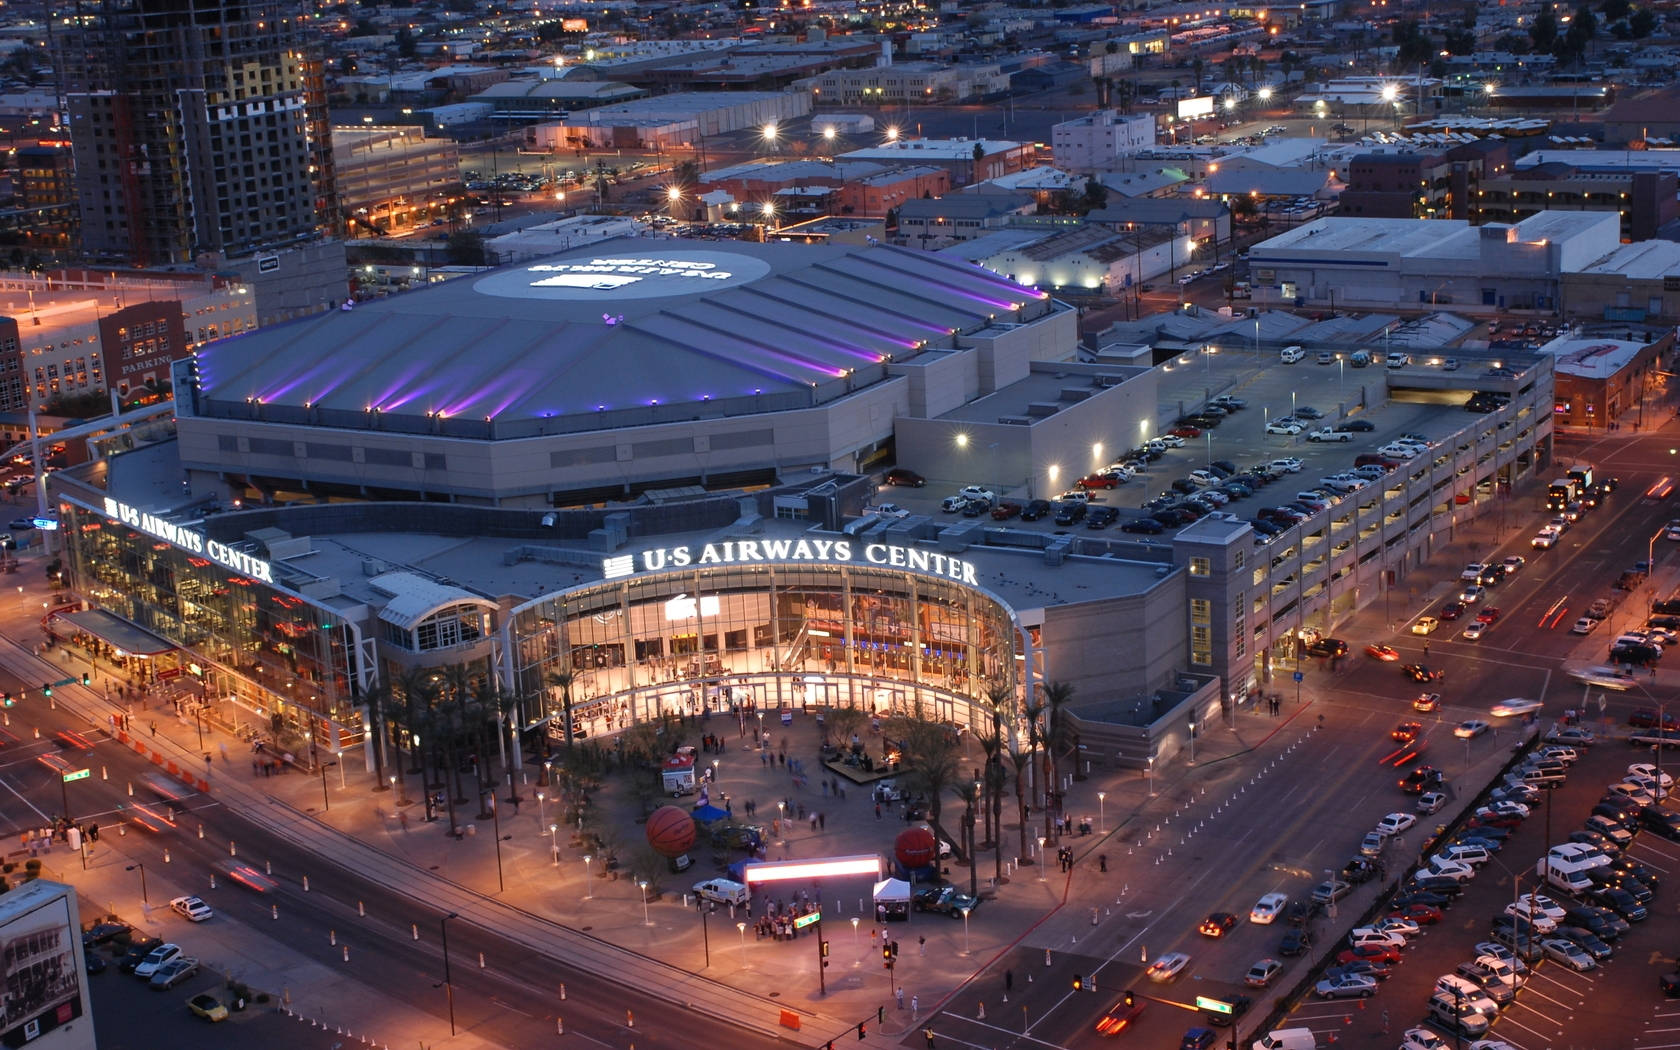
[[670, 831], [915, 847]]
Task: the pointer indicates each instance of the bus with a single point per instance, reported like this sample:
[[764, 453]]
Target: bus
[[1559, 493]]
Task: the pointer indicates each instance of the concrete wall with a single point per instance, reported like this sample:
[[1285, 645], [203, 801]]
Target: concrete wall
[[1118, 647], [532, 469]]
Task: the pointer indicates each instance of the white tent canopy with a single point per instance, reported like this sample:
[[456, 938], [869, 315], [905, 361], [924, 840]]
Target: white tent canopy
[[888, 891]]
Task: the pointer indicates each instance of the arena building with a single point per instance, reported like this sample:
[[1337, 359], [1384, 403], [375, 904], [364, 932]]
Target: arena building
[[568, 490], [623, 367]]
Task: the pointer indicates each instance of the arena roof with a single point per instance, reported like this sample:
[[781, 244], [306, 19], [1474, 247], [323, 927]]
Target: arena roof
[[563, 343]]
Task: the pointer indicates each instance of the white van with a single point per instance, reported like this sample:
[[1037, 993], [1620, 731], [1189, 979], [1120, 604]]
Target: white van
[[723, 891], [1287, 1039], [1289, 356], [1568, 881]]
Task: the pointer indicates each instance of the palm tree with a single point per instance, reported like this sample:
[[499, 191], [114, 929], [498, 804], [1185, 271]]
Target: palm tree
[[377, 696], [1022, 762], [418, 686], [1056, 698], [561, 680], [1032, 711], [969, 792]]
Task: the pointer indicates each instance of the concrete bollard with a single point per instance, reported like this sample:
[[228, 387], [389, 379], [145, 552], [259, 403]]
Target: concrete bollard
[[346, 953], [274, 911], [306, 884]]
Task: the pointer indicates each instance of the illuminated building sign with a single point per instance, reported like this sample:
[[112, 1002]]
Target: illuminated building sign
[[190, 540], [607, 278], [743, 552]]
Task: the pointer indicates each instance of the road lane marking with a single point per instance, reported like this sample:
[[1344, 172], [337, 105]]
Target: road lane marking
[[8, 785]]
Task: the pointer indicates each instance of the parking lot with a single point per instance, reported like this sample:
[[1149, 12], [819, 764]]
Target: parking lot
[[1617, 1003], [1333, 395]]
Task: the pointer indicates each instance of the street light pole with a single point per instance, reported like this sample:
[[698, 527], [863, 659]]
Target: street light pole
[[588, 891], [448, 984], [142, 869], [496, 825], [643, 886], [1102, 817]]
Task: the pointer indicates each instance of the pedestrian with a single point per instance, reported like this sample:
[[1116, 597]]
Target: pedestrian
[[900, 994], [921, 946], [915, 1007], [1102, 862], [822, 821], [1426, 647], [877, 811], [154, 729], [927, 1033]]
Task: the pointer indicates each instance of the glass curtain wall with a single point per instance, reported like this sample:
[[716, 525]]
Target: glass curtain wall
[[270, 652], [763, 636]]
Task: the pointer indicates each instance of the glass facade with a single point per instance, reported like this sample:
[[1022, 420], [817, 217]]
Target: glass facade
[[766, 635], [259, 646]]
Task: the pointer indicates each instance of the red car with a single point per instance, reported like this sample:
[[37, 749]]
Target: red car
[[1487, 615], [1217, 924], [1121, 1016], [1005, 510], [1369, 952], [1185, 432], [1099, 481], [1451, 611], [1421, 673], [1406, 732], [1486, 818], [1385, 653], [1422, 914]]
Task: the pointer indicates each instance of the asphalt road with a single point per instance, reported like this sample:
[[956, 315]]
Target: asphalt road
[[1300, 804], [513, 999]]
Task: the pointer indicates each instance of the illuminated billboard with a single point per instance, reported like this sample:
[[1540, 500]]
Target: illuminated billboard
[[1195, 108], [45, 1001]]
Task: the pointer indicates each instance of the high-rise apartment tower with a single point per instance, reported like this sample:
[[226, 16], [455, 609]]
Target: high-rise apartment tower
[[199, 128]]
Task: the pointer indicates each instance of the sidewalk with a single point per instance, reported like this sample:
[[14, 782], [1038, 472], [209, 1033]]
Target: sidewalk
[[748, 980]]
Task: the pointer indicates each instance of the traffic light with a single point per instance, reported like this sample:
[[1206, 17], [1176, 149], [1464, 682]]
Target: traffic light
[[880, 1015], [862, 1029], [46, 688], [87, 679], [6, 699], [1077, 982], [1130, 999], [825, 949]]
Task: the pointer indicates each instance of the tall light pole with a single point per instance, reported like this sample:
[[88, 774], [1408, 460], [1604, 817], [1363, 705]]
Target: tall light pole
[[448, 984], [643, 886], [1102, 816], [1151, 776], [554, 841], [141, 868], [588, 891]]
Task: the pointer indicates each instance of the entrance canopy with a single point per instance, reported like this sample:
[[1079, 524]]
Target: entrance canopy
[[116, 632]]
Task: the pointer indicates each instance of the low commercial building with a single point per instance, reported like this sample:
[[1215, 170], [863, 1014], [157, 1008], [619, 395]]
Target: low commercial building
[[905, 83], [935, 222], [1644, 201], [1636, 283], [1603, 381], [71, 333], [968, 160], [1096, 140], [1430, 262]]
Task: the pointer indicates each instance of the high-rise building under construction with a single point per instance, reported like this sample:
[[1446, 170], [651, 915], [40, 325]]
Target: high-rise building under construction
[[199, 128]]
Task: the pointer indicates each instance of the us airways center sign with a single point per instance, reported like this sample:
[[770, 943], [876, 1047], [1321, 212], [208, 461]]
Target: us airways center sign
[[751, 552], [190, 540]]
